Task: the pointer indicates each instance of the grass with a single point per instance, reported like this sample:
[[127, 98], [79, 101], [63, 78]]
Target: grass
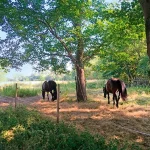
[[24, 129], [28, 89], [22, 92], [138, 90]]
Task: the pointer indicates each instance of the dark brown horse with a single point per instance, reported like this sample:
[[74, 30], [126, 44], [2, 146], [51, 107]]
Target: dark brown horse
[[49, 86], [117, 87]]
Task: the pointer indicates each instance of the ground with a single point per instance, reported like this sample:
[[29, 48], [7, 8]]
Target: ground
[[130, 122]]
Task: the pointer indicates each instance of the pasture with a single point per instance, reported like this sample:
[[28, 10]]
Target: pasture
[[127, 125]]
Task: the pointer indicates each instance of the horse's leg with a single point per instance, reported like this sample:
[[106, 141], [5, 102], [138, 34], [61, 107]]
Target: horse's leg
[[43, 94], [52, 95], [119, 96], [108, 99], [117, 100], [114, 98], [48, 96]]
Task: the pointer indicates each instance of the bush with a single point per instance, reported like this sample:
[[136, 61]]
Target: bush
[[24, 129]]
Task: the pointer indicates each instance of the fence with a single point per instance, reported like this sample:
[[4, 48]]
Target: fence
[[138, 82]]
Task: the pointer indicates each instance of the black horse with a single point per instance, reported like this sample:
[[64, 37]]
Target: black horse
[[51, 87], [117, 87]]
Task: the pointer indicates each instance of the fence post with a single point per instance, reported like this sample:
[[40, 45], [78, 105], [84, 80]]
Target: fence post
[[16, 95], [58, 91]]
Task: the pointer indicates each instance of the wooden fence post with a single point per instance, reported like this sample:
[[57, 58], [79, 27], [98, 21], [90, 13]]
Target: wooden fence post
[[16, 95], [58, 92]]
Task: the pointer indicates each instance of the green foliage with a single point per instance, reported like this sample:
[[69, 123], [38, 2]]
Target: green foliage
[[95, 84], [67, 88], [52, 33], [143, 102], [143, 68], [8, 91], [24, 129], [124, 36], [22, 92], [28, 92]]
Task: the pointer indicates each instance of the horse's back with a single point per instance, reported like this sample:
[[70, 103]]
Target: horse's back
[[52, 84], [120, 85], [113, 85]]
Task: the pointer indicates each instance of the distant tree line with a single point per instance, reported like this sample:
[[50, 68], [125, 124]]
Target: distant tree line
[[49, 75]]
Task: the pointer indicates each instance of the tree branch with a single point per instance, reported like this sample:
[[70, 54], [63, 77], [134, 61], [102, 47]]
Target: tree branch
[[60, 40], [56, 54]]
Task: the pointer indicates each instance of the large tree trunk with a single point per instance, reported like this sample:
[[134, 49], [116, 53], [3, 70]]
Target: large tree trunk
[[80, 85], [146, 10], [80, 79]]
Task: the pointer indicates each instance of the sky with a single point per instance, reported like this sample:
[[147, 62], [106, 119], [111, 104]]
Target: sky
[[26, 70]]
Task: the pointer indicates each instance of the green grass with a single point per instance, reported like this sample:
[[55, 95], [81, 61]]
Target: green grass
[[143, 102], [22, 92], [32, 89], [138, 90], [67, 87], [24, 129], [95, 84]]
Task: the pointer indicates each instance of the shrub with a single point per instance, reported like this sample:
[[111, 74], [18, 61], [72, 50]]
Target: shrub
[[24, 129]]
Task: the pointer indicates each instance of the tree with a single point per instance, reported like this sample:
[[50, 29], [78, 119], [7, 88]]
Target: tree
[[145, 4], [53, 33], [124, 38]]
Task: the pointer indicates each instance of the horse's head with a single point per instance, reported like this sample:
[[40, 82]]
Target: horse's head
[[104, 91], [54, 95], [124, 94]]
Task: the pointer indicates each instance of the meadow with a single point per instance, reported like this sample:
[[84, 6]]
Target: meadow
[[87, 125]]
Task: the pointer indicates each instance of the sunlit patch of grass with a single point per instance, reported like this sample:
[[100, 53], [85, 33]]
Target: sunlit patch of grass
[[143, 101], [136, 99], [8, 135]]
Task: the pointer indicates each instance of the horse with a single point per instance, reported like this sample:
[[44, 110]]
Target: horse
[[49, 86], [117, 87]]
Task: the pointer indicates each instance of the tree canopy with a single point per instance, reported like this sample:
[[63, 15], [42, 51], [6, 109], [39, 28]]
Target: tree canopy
[[124, 41], [54, 33], [50, 32]]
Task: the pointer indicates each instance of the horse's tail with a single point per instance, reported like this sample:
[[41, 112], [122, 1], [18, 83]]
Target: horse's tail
[[123, 90]]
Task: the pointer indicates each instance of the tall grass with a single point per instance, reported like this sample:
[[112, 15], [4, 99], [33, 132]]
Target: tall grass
[[67, 87], [22, 92], [24, 129], [34, 88]]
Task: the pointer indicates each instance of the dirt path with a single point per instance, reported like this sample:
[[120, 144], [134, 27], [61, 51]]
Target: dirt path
[[129, 122]]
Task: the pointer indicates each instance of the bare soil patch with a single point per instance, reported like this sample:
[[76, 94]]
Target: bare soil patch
[[130, 122]]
